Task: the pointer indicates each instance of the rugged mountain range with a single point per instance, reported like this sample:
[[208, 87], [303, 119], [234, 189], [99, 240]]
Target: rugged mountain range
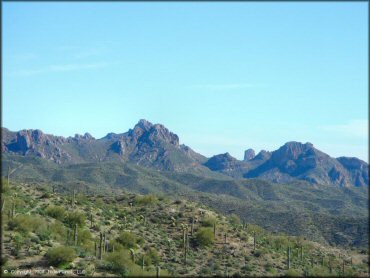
[[153, 145], [295, 161]]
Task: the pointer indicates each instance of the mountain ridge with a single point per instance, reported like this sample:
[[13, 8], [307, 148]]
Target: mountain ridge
[[153, 145]]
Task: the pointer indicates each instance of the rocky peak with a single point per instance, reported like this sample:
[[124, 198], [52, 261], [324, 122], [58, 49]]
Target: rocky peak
[[221, 162], [263, 155], [291, 151], [144, 124], [249, 154], [88, 136], [161, 133]]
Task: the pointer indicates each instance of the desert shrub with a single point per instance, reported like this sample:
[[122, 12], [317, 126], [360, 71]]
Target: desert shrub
[[60, 255], [234, 220], [28, 223], [84, 237], [120, 263], [153, 255], [75, 217], [19, 242], [204, 237], [208, 221], [128, 240], [58, 230], [56, 212], [292, 273], [146, 200]]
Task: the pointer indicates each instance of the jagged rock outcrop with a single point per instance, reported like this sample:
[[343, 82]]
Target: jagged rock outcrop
[[249, 154]]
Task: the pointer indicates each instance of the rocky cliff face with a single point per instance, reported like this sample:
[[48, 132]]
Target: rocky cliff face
[[249, 154]]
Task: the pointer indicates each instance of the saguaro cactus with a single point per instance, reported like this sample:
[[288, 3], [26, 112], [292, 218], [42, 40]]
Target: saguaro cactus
[[96, 249], [13, 209], [343, 266], [214, 229], [101, 246], [158, 271], [192, 226], [331, 264], [301, 252], [322, 260], [142, 263], [104, 245], [91, 220], [132, 251], [254, 240], [76, 235], [288, 257], [225, 238]]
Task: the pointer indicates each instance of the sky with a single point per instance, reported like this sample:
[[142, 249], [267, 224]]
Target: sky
[[224, 77]]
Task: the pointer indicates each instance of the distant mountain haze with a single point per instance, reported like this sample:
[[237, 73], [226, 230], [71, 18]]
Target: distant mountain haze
[[153, 145]]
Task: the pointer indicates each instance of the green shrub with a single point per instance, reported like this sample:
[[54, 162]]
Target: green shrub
[[154, 256], [75, 217], [120, 263], [292, 273], [28, 223], [56, 212], [60, 255], [234, 220], [127, 239], [204, 237], [58, 230], [146, 200], [208, 222]]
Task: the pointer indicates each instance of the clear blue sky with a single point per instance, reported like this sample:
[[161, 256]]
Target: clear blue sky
[[223, 76]]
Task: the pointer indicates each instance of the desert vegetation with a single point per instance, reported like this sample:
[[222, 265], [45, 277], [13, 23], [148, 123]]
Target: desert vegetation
[[125, 234]]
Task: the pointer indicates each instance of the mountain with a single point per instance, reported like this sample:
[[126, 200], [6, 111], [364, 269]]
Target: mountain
[[147, 144], [153, 145], [294, 161]]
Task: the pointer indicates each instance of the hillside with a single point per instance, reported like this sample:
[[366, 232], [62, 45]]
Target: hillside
[[323, 213], [74, 232]]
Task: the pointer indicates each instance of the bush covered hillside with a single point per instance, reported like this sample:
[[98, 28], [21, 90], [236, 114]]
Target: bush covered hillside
[[47, 230]]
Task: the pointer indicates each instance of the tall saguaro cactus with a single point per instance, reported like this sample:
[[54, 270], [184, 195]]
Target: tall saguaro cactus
[[101, 246], [96, 249], [192, 226], [214, 230], [158, 271], [104, 245], [254, 240], [288, 256], [91, 220], [13, 209], [76, 235], [132, 251]]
